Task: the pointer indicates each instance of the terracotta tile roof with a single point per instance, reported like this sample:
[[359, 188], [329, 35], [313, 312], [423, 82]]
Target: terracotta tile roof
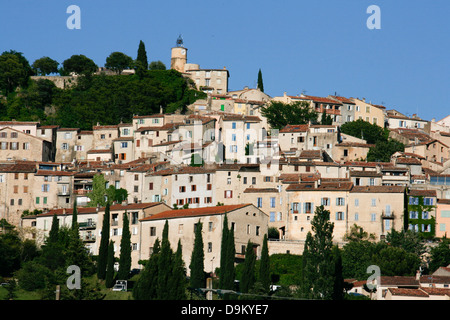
[[18, 167], [355, 144], [398, 281], [435, 279], [68, 129], [53, 173], [310, 154], [183, 170], [261, 190], [408, 292], [295, 128], [444, 201], [105, 127], [404, 160], [317, 99], [195, 212], [424, 193], [68, 211], [99, 151], [378, 189], [326, 186], [342, 99], [365, 173], [157, 115], [167, 126], [436, 291], [130, 138]]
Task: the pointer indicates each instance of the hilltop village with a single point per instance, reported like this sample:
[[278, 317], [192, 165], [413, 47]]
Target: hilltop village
[[222, 156]]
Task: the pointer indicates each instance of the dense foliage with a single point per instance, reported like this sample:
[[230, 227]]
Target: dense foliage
[[89, 99], [384, 146], [281, 114]]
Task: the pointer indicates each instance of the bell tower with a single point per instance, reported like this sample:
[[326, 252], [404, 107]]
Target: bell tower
[[179, 56]]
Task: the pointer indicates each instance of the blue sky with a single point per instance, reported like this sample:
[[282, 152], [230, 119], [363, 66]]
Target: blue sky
[[320, 47]]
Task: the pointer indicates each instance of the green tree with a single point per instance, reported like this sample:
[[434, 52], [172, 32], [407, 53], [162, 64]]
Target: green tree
[[54, 230], [12, 73], [440, 255], [357, 256], [357, 233], [177, 281], [280, 114], [396, 262], [146, 287], [80, 64], [118, 61], [99, 193], [197, 276], [109, 278], [142, 55], [264, 266], [318, 257], [365, 130], [125, 250], [408, 240], [338, 284], [326, 119], [104, 242], [260, 81], [156, 65], [10, 248], [248, 278], [227, 251], [75, 225], [45, 66], [383, 150], [164, 265]]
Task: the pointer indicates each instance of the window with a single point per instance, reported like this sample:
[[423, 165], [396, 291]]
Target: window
[[295, 207], [136, 188], [209, 246], [228, 180], [356, 216], [356, 202], [373, 217], [45, 188], [272, 202], [259, 203], [210, 226], [124, 145], [339, 215], [150, 186], [428, 201], [16, 189], [134, 217], [308, 207], [233, 125], [182, 189], [152, 231], [371, 181], [180, 228], [68, 135], [253, 180], [14, 146], [14, 135], [425, 215], [325, 201], [374, 202], [4, 145], [413, 215], [37, 200], [413, 200], [26, 146], [193, 187], [257, 230], [340, 201], [228, 194], [272, 216]]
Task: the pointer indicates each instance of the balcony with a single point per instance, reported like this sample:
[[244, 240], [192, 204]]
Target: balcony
[[88, 238], [387, 215], [86, 225]]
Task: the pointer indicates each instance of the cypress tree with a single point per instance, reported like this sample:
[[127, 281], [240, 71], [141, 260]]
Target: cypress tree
[[260, 81], [248, 272], [264, 266], [75, 215], [109, 279], [197, 279], [177, 282], [146, 288], [231, 252], [142, 55], [224, 254], [125, 250], [338, 288], [103, 249], [164, 265], [53, 235]]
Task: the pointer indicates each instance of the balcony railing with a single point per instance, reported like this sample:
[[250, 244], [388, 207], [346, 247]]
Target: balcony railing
[[387, 215], [88, 238], [86, 225]]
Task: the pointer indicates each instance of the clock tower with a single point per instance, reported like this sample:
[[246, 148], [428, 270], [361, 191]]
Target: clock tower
[[179, 56]]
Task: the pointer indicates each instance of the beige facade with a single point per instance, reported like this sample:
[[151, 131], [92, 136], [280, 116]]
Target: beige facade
[[248, 222], [443, 218], [18, 145], [66, 139], [369, 112]]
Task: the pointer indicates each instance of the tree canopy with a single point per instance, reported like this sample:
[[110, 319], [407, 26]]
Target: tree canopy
[[118, 61], [79, 64], [45, 66], [280, 114]]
